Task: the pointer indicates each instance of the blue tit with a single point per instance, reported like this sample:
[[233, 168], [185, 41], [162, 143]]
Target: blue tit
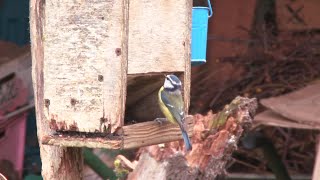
[[172, 106]]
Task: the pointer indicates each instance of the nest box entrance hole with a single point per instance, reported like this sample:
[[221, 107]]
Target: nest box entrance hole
[[142, 97]]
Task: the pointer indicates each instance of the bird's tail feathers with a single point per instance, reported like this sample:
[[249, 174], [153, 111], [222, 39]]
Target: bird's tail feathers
[[186, 140]]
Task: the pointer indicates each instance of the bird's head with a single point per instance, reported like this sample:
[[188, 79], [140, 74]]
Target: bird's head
[[172, 83]]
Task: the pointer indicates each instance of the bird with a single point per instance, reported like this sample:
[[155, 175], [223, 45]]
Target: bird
[[172, 106]]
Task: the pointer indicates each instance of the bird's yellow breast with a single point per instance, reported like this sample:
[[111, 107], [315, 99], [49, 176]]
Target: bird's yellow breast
[[164, 108]]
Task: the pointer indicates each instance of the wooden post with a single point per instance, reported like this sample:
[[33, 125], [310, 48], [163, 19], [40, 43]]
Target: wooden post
[[85, 64], [73, 69], [57, 162]]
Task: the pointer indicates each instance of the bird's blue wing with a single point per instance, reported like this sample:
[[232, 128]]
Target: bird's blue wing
[[175, 105]]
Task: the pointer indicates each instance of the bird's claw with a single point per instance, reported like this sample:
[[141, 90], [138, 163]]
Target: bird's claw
[[160, 121]]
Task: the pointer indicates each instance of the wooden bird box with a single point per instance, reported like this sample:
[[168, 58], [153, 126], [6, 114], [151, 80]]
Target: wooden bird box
[[101, 62]]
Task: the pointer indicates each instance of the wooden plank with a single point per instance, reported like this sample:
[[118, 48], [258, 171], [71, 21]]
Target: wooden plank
[[150, 133], [134, 136], [57, 163], [158, 34], [316, 169], [300, 106], [187, 70], [271, 118], [81, 142], [85, 62], [298, 15]]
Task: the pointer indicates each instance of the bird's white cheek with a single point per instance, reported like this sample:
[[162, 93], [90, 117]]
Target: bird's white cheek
[[167, 84]]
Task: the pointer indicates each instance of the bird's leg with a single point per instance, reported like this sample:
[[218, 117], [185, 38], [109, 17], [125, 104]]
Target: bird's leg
[[161, 120]]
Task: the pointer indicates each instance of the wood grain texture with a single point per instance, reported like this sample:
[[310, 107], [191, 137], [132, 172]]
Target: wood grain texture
[[57, 163], [85, 62], [158, 34], [81, 142], [150, 133], [134, 136], [300, 106], [187, 57]]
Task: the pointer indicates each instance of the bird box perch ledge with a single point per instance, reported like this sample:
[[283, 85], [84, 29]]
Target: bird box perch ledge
[[97, 63]]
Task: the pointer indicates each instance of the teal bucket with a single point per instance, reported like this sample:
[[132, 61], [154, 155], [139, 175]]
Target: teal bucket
[[199, 34]]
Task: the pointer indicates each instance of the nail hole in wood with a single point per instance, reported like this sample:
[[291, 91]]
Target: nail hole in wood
[[73, 101], [47, 102], [118, 51], [100, 78]]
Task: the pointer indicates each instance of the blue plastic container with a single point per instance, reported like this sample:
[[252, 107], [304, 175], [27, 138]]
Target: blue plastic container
[[199, 34]]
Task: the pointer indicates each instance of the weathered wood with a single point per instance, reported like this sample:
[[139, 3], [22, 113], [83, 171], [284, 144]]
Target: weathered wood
[[187, 83], [84, 69], [134, 136], [272, 118], [159, 31], [150, 133], [301, 106], [82, 142], [57, 163], [228, 32], [297, 15], [85, 66], [212, 148]]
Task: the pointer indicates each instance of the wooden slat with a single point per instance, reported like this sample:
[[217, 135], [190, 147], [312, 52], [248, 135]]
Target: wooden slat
[[57, 162], [134, 136], [81, 142], [150, 133], [187, 57], [300, 106], [85, 63], [271, 118], [158, 33]]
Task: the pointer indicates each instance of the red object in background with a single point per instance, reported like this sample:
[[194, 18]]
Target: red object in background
[[13, 95]]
